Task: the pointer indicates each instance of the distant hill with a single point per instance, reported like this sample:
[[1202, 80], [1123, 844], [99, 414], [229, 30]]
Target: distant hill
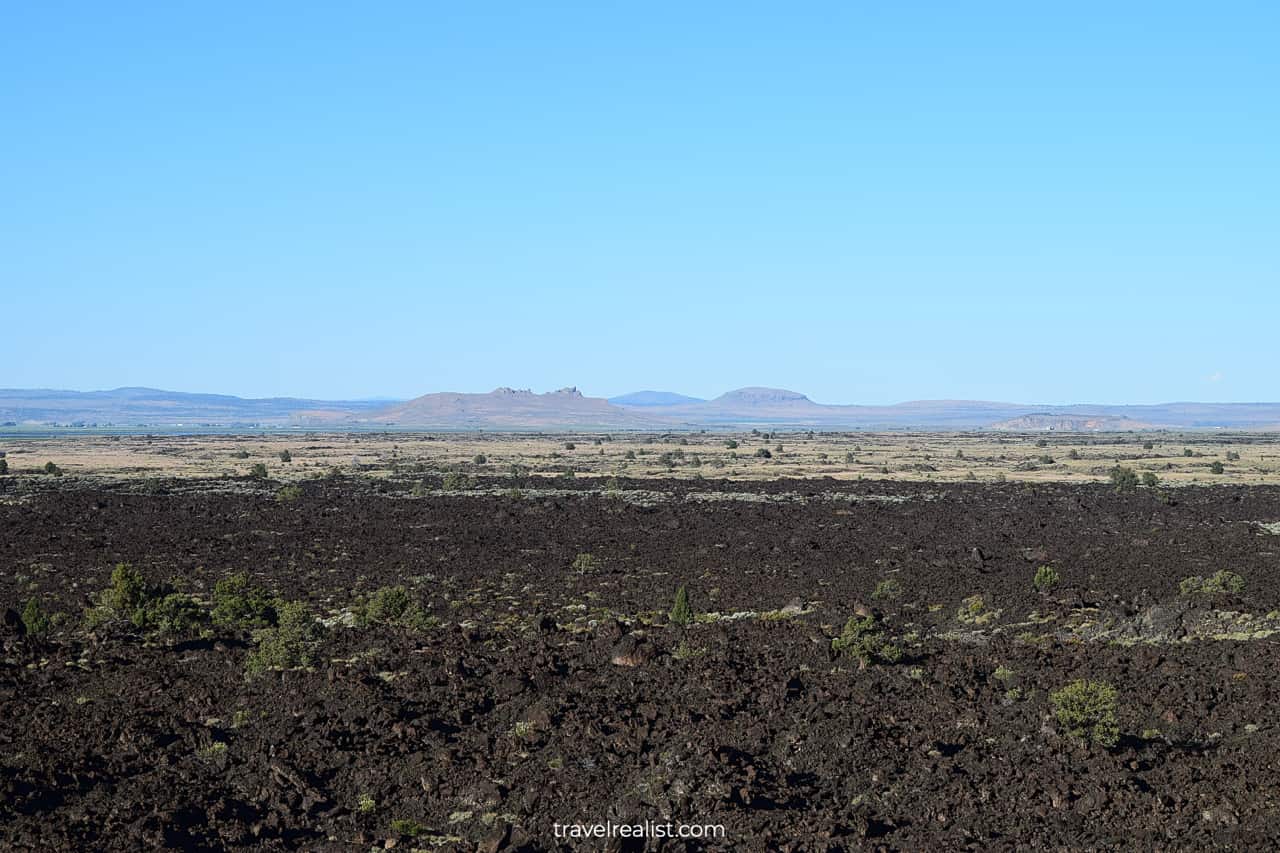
[[644, 399], [1068, 423]]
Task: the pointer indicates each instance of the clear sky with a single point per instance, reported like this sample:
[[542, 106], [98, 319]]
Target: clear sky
[[865, 202]]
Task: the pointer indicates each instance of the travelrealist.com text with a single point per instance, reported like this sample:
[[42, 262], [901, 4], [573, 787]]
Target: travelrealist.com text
[[644, 829]]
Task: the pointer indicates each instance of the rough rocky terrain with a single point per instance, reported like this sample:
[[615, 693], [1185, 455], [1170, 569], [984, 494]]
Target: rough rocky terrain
[[542, 688]]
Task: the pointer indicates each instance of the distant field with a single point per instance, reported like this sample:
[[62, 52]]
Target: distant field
[[1175, 459]]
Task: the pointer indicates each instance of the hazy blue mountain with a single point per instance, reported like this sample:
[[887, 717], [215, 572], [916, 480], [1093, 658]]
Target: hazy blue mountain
[[653, 398], [568, 408], [150, 406]]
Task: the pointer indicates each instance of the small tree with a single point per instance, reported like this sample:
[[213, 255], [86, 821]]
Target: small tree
[[680, 613], [286, 456], [153, 608], [34, 619], [387, 605], [1086, 710], [1216, 468], [1124, 479], [395, 605], [239, 603], [51, 468], [258, 471], [864, 639], [480, 459], [290, 643], [4, 466]]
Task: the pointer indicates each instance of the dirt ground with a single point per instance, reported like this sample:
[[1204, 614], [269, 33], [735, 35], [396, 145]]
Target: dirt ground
[[1175, 458], [543, 681]]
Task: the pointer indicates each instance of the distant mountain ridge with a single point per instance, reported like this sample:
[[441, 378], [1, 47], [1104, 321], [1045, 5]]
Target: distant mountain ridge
[[567, 408], [502, 408], [134, 406]]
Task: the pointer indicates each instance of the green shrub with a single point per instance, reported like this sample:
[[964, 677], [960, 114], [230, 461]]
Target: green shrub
[[288, 494], [455, 481], [240, 454], [1150, 480], [153, 608], [864, 638], [4, 466], [585, 564], [51, 468], [763, 453], [258, 471], [395, 605], [410, 828], [238, 603], [1086, 710], [125, 597], [1046, 578], [1219, 583], [1216, 468], [289, 644], [681, 614], [387, 605], [34, 619], [1124, 479], [286, 456], [887, 589], [974, 611], [480, 459], [731, 444], [174, 613]]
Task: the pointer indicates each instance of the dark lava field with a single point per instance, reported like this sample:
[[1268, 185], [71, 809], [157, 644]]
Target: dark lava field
[[365, 665]]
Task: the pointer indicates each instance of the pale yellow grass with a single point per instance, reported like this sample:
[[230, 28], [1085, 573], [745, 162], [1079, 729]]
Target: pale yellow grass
[[892, 456]]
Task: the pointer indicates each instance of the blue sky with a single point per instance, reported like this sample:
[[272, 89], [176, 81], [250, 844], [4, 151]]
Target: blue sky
[[865, 202]]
